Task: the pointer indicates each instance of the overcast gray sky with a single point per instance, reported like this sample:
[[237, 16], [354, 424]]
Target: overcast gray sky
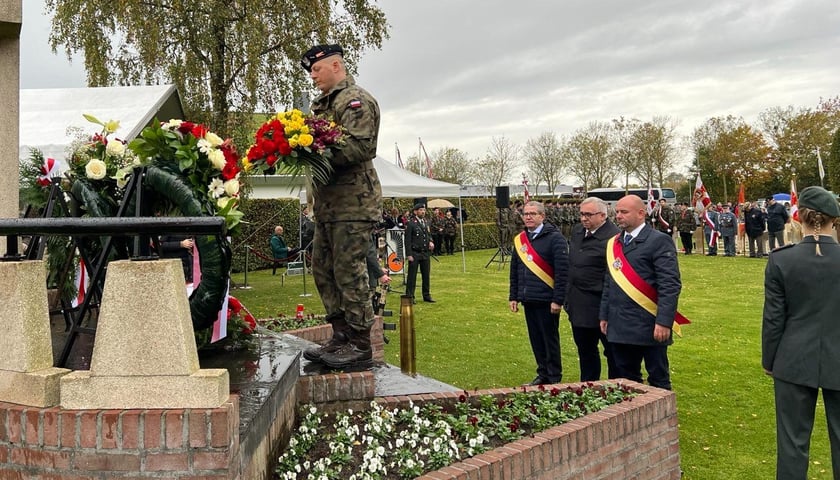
[[459, 72]]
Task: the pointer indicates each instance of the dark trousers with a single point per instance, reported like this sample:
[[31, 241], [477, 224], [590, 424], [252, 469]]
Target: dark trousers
[[687, 241], [628, 363], [544, 334], [776, 238], [450, 243], [756, 245], [587, 340], [729, 245], [795, 406], [411, 282], [437, 239], [712, 249]]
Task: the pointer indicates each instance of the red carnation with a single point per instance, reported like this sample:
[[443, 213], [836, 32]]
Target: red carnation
[[271, 160], [230, 170], [284, 148], [256, 152]]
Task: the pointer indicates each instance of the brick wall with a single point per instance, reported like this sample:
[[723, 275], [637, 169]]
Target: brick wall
[[188, 444], [636, 439]]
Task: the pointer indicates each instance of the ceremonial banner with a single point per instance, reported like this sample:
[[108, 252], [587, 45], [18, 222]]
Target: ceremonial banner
[[82, 283], [633, 285], [531, 259], [794, 201], [701, 196]]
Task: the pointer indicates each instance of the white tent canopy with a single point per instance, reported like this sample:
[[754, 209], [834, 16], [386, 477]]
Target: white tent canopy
[[50, 118], [396, 183]]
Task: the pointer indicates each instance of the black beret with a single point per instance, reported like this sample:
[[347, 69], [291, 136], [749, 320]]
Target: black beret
[[418, 206], [821, 200], [319, 52]]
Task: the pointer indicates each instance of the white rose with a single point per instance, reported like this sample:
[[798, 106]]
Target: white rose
[[217, 158], [96, 169], [115, 148], [232, 187], [222, 202], [214, 139]]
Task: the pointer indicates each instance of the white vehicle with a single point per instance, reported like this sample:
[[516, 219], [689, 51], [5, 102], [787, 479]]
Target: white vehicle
[[613, 195]]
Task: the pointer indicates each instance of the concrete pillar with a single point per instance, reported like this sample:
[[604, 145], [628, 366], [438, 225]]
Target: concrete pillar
[[11, 13], [27, 375], [145, 354]]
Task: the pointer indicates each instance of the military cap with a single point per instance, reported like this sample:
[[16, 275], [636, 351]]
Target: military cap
[[319, 52], [819, 199], [418, 206]]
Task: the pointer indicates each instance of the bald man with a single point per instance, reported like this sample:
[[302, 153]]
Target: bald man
[[643, 259]]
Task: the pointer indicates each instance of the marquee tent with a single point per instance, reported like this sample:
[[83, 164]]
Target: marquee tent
[[51, 119], [396, 183]]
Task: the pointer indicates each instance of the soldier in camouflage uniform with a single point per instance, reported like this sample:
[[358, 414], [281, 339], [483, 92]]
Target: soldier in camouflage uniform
[[346, 210]]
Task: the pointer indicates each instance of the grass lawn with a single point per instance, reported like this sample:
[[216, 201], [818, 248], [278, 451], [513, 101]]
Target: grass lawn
[[470, 339]]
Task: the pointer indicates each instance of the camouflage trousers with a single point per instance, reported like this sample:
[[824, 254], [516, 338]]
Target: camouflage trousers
[[340, 270]]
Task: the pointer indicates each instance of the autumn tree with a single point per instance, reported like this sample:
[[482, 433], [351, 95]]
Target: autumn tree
[[655, 147], [728, 152], [590, 156], [451, 165], [796, 135], [497, 165], [224, 56], [623, 131], [832, 160], [545, 160]]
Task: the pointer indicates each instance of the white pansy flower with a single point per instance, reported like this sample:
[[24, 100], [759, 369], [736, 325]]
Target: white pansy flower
[[115, 148], [232, 187], [96, 169], [217, 158]]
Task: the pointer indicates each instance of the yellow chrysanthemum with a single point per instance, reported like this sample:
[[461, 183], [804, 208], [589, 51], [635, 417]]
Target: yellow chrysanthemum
[[305, 140]]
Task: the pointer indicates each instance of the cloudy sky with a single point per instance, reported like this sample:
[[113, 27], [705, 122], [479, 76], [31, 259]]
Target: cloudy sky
[[459, 72]]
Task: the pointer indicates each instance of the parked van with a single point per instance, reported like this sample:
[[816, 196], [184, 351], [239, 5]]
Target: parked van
[[613, 195]]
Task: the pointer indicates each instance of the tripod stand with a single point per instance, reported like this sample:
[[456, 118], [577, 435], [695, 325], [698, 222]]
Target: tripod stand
[[503, 251]]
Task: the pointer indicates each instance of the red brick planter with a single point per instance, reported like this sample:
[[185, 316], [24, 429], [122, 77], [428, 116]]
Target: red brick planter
[[636, 439]]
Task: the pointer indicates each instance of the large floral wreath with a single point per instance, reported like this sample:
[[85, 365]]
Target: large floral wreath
[[185, 167]]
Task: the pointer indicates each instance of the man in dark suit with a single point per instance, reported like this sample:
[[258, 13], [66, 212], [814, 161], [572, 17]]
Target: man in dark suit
[[587, 266], [639, 330], [538, 270], [419, 247], [800, 334]]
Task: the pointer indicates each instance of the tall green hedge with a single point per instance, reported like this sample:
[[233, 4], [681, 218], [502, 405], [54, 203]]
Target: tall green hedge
[[261, 216]]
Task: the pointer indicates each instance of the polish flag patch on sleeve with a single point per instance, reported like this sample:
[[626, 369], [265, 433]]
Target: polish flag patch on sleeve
[[355, 103]]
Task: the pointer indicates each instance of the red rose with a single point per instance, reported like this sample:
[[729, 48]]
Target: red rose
[[186, 127]]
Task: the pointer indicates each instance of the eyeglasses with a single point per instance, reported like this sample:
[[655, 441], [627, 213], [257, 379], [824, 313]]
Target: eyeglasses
[[589, 214], [531, 214]]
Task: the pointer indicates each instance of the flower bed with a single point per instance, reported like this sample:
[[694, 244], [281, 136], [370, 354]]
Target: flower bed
[[420, 438]]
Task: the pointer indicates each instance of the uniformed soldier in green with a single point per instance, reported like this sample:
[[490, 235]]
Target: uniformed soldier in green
[[800, 334], [345, 210]]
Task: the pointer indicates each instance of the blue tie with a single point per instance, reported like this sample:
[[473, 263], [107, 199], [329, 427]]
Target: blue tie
[[627, 239]]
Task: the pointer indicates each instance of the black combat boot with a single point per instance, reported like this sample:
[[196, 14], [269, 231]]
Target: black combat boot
[[339, 338], [354, 354]]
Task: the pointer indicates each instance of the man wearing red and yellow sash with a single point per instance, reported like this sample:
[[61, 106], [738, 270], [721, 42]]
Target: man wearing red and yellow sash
[[538, 271], [634, 332]]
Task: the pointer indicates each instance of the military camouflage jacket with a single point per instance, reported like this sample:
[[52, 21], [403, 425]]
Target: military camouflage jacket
[[353, 192]]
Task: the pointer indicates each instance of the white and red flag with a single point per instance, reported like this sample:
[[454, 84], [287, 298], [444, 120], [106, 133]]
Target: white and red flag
[[429, 173], [794, 201], [82, 282], [701, 196], [399, 158], [48, 170], [651, 202]]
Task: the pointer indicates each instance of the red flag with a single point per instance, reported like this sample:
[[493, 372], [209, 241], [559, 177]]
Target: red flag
[[794, 209], [428, 160], [742, 199]]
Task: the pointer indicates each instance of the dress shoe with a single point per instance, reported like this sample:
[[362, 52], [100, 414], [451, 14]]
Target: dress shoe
[[428, 300], [537, 381]]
